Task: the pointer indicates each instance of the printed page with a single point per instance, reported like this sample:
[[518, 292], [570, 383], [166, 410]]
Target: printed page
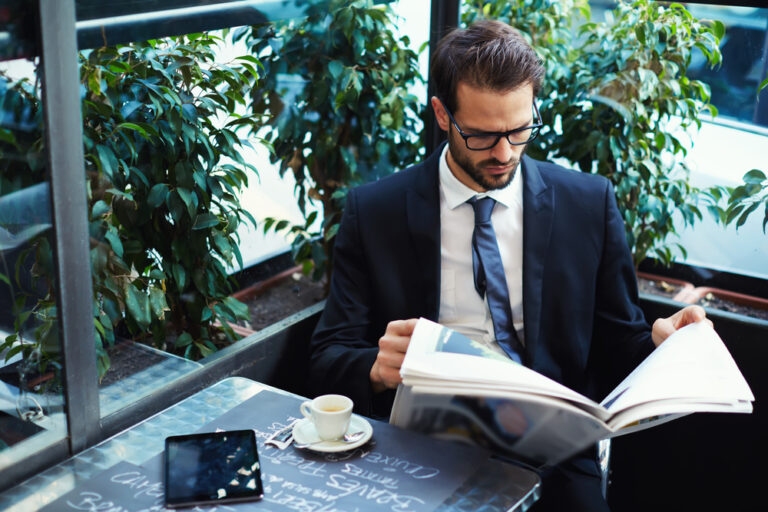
[[691, 366], [536, 429], [439, 354]]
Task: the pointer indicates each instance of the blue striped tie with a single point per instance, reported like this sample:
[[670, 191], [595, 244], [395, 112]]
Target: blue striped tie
[[490, 280]]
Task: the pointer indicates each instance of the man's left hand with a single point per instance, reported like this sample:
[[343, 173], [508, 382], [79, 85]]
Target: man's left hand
[[663, 327]]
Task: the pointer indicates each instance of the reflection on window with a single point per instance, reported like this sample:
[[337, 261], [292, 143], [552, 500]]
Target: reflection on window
[[745, 58], [745, 65], [31, 404]]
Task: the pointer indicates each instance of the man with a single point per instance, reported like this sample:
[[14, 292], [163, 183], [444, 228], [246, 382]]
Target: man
[[405, 250]]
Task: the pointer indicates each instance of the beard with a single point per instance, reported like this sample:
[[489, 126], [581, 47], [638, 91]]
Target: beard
[[475, 169]]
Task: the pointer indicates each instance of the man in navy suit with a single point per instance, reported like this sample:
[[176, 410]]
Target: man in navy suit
[[403, 251]]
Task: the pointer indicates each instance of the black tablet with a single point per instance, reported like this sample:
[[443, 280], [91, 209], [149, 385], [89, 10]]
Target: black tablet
[[213, 467]]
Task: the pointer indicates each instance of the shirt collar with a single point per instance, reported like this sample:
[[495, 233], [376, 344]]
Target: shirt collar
[[457, 193]]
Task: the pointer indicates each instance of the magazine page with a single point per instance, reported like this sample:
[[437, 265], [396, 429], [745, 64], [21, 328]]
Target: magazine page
[[692, 366], [439, 353], [655, 413], [538, 430]]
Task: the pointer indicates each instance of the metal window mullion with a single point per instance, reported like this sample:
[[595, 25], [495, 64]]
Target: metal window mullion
[[64, 149]]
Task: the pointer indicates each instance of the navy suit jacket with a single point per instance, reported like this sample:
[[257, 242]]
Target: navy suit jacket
[[583, 327]]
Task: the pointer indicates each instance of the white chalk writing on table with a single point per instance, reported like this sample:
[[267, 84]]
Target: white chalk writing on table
[[395, 472], [122, 488]]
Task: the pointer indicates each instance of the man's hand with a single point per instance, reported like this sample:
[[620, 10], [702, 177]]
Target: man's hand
[[663, 327], [385, 372]]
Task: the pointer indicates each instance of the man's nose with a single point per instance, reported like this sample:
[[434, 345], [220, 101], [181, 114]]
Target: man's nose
[[503, 151]]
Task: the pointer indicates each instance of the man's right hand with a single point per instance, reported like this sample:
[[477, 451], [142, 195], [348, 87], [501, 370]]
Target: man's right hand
[[385, 372]]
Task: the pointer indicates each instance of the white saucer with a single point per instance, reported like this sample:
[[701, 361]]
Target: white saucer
[[304, 432]]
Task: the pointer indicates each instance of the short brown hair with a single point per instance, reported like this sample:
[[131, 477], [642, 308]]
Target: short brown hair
[[488, 54]]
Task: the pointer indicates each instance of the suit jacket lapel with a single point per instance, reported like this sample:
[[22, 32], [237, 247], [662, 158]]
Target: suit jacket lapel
[[538, 208], [423, 214]]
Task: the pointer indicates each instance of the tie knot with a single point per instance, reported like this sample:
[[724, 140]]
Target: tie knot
[[483, 207]]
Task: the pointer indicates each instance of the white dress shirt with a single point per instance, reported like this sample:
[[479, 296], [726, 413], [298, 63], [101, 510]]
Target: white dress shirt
[[461, 307]]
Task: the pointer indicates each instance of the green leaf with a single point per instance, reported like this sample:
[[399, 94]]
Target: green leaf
[[13, 351], [189, 200], [157, 302], [204, 349], [754, 176], [184, 340], [335, 68], [98, 326], [114, 241], [719, 28], [763, 85], [7, 136], [133, 127], [180, 276], [331, 232], [107, 161], [157, 195], [137, 305], [205, 220], [129, 108], [99, 209], [239, 310]]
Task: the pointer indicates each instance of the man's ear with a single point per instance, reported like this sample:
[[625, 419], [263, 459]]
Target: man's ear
[[440, 115]]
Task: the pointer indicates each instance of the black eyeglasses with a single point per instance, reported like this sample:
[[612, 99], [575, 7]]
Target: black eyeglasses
[[487, 140]]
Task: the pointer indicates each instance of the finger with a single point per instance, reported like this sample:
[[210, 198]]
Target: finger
[[688, 315], [662, 329], [391, 377], [697, 312], [402, 327], [390, 359], [396, 344], [383, 377]]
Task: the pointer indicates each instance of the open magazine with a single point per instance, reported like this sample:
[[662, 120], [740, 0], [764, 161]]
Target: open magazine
[[455, 388]]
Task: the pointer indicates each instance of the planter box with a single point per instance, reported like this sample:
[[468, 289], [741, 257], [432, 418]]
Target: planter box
[[703, 292], [683, 288]]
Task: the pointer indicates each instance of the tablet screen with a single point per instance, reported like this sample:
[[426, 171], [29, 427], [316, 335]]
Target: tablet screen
[[215, 467]]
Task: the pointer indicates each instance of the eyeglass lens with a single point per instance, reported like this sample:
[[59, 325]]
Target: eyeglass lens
[[488, 141]]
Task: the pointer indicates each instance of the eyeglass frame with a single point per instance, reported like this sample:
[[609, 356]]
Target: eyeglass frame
[[535, 126]]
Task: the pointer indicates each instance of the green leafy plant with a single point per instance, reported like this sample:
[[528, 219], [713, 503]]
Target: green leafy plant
[[164, 169], [336, 90], [618, 103]]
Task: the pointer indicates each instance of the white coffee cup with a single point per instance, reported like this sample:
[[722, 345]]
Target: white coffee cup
[[330, 414]]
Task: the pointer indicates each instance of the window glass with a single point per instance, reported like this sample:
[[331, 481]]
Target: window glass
[[164, 127], [31, 399], [180, 182], [745, 61]]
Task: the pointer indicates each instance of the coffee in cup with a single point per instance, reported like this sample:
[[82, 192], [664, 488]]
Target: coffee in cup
[[330, 414]]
